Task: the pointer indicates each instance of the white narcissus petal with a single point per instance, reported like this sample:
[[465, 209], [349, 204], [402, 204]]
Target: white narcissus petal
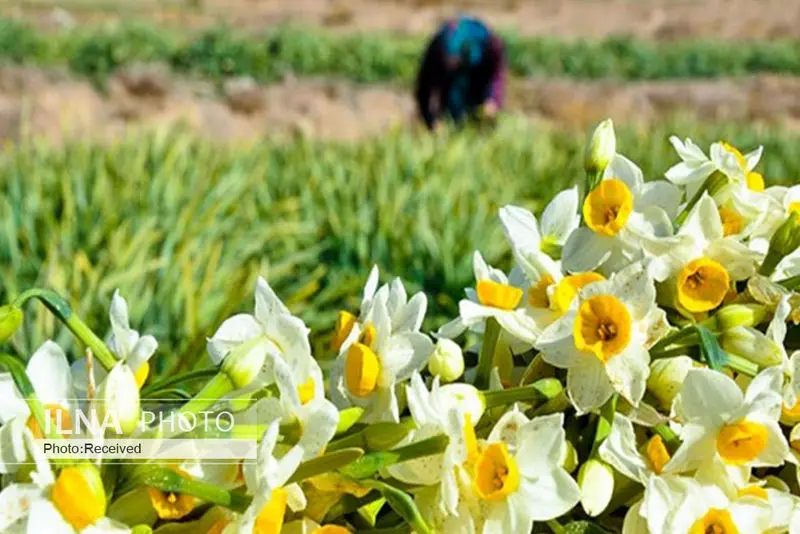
[[13, 404], [777, 449], [479, 267], [588, 385], [698, 447], [15, 503], [687, 174], [628, 372], [507, 428], [557, 343], [406, 352], [751, 515], [382, 407], [703, 222], [549, 495], [295, 498], [687, 150], [736, 257], [44, 517], [634, 523], [624, 169], [105, 525], [142, 351], [397, 298], [290, 336], [709, 395], [267, 302], [319, 427], [540, 442], [560, 218], [49, 373], [585, 250], [120, 323], [621, 452], [452, 329], [520, 228], [752, 158], [763, 394], [231, 333], [410, 317], [521, 326], [660, 194], [369, 289]]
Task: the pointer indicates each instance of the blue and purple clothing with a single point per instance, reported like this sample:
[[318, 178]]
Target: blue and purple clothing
[[462, 69]]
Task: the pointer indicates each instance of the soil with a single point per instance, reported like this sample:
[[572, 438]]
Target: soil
[[54, 105], [651, 19]]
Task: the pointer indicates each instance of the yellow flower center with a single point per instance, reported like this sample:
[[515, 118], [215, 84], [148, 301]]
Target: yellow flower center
[[607, 208], [732, 222], [716, 521], [141, 374], [59, 419], [742, 442], [603, 327], [568, 288], [344, 325], [794, 207], [171, 505], [702, 285], [79, 495], [497, 295], [755, 182], [496, 473], [657, 454], [754, 491], [368, 336], [361, 370], [270, 518], [306, 391], [537, 293]]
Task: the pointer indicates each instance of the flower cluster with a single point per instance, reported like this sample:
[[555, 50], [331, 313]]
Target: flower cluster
[[634, 371]]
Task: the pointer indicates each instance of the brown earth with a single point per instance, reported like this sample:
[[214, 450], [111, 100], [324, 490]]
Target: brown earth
[[55, 105], [652, 19]]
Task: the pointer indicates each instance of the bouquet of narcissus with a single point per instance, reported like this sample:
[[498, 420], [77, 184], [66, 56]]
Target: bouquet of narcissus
[[634, 372]]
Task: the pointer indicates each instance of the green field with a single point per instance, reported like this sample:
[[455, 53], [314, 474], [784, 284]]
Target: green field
[[370, 58], [183, 226]]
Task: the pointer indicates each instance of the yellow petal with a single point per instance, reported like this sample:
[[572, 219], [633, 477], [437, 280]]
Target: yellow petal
[[497, 295], [702, 285], [607, 208], [361, 370], [603, 326]]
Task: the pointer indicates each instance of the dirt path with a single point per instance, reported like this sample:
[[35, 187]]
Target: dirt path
[[652, 19], [54, 105]]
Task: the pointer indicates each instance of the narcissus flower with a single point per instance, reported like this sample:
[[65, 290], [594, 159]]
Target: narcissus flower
[[602, 340], [618, 214], [700, 260], [367, 371], [271, 332], [721, 423], [601, 147], [494, 296]]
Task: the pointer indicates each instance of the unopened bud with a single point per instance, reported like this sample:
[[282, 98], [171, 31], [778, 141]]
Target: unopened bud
[[10, 320], [733, 315], [79, 495], [666, 378], [601, 149], [447, 361], [784, 241], [465, 397], [118, 399], [752, 345], [569, 456], [244, 363], [596, 481]]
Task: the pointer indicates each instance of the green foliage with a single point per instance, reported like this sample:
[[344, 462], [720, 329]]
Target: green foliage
[[372, 57], [183, 226]]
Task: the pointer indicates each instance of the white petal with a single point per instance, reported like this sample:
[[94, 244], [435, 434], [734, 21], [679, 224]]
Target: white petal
[[407, 352], [585, 250], [624, 169], [735, 256], [231, 333], [540, 444], [751, 515], [709, 396], [267, 302], [777, 449], [697, 448], [369, 289], [557, 343], [588, 385], [411, 315], [550, 495], [520, 228], [319, 427], [49, 373], [686, 174], [560, 218], [14, 404], [290, 335], [142, 351], [479, 267], [521, 326], [634, 523], [687, 150], [44, 517], [621, 452], [628, 372], [704, 221], [753, 157], [763, 394], [507, 428], [661, 194], [15, 503]]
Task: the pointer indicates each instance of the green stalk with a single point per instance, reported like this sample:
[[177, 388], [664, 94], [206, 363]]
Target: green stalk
[[486, 357], [373, 462], [604, 424], [167, 480], [17, 369], [214, 389], [556, 527], [61, 309], [791, 283], [712, 184], [771, 261], [325, 463], [670, 438], [541, 391], [742, 365], [172, 381]]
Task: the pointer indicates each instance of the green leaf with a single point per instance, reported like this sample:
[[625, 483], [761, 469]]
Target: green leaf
[[325, 463], [402, 503], [584, 527], [714, 356], [373, 462]]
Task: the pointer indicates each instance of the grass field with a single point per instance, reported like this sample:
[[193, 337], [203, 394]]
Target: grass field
[[370, 58], [183, 226]]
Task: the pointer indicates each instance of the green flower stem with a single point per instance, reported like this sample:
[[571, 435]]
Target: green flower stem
[[677, 351], [673, 338], [377, 436], [168, 480], [61, 309], [771, 261], [23, 383], [560, 403], [670, 438], [326, 463], [791, 283], [349, 504], [214, 390], [539, 392], [556, 527], [373, 462], [604, 424], [486, 357], [712, 185], [402, 503], [177, 380], [742, 365]]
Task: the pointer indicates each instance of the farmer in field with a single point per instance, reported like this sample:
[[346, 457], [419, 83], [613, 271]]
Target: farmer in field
[[462, 73]]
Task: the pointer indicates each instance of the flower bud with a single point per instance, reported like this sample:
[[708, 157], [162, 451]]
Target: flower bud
[[784, 241], [10, 320], [244, 363], [466, 397], [79, 495], [569, 457], [666, 378], [733, 315], [596, 481], [751, 344], [601, 149], [118, 399], [447, 361]]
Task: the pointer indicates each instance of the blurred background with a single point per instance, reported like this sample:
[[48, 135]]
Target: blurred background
[[177, 149]]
